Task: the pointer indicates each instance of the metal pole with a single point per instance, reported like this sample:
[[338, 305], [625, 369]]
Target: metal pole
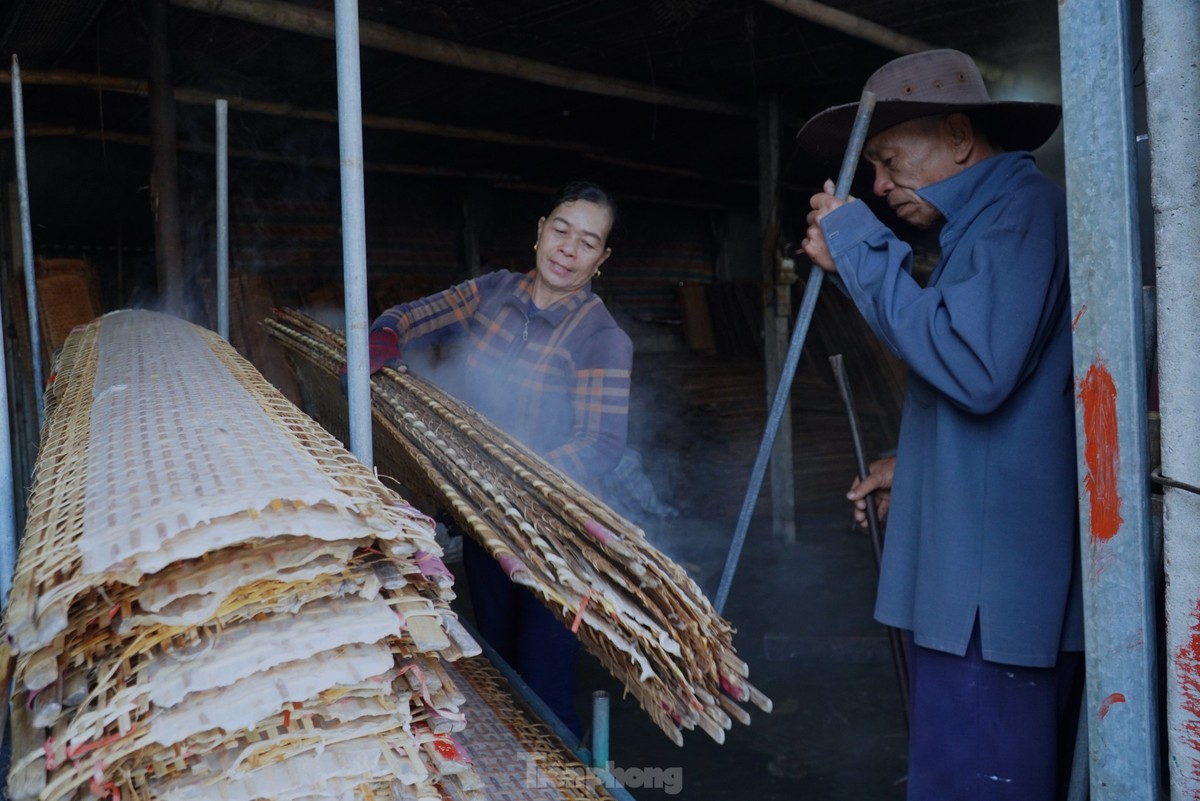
[[31, 300], [1115, 532], [222, 107], [354, 231], [895, 641], [600, 730], [1172, 85], [858, 137], [8, 516]]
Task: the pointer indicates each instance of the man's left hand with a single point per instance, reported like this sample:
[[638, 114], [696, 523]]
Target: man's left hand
[[814, 245]]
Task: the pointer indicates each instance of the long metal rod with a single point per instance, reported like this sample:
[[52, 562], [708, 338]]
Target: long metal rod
[[8, 515], [222, 110], [354, 228], [1116, 541], [808, 305], [31, 299], [1172, 85], [895, 641]]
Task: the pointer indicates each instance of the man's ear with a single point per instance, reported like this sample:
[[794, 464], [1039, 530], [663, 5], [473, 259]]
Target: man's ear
[[960, 133]]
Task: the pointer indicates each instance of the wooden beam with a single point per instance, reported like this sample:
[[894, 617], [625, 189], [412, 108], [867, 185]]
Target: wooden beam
[[298, 19], [877, 34], [495, 179], [164, 180], [777, 316], [202, 97]]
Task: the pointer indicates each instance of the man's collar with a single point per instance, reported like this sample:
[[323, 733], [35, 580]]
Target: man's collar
[[954, 195]]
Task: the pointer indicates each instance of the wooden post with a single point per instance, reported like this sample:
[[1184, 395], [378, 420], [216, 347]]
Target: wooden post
[[777, 314], [165, 173], [470, 233]]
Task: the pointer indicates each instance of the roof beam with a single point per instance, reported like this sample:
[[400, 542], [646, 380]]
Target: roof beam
[[876, 34], [497, 179], [203, 97], [298, 19]]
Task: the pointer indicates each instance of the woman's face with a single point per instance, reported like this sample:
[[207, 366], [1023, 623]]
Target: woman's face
[[572, 243]]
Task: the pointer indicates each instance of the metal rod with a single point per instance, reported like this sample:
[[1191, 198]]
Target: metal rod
[[222, 108], [1116, 539], [354, 230], [8, 514], [1173, 84], [895, 640], [808, 305], [31, 299], [600, 730]]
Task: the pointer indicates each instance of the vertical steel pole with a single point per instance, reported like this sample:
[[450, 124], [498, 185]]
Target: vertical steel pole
[[354, 231], [35, 331], [1115, 533], [600, 729], [8, 516], [222, 108], [1172, 89]]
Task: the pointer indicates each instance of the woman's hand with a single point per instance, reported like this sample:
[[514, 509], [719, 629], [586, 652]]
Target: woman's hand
[[879, 481]]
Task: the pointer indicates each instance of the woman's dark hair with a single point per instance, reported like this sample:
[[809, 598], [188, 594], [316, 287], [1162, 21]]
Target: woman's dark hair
[[593, 193]]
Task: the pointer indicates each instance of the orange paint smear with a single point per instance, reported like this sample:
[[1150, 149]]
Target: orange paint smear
[[1187, 674], [1114, 698], [1101, 450], [1075, 322]]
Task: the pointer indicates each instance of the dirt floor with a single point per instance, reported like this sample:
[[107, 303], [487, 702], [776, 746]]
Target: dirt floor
[[802, 609]]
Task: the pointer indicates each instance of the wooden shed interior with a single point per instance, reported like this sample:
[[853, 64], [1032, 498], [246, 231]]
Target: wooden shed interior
[[474, 112]]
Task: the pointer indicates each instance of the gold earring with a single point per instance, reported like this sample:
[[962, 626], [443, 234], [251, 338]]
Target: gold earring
[[596, 275], [535, 247]]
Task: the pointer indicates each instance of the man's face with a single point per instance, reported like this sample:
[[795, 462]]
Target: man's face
[[911, 156]]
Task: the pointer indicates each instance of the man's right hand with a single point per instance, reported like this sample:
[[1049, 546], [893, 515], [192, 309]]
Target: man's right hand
[[879, 481]]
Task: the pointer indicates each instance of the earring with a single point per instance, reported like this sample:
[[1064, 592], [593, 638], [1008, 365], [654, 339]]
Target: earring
[[595, 275], [535, 247]]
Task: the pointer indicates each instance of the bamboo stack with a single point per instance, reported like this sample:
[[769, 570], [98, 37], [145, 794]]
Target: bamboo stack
[[214, 600], [634, 609]]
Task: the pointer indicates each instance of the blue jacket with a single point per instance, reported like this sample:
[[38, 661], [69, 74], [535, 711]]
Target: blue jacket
[[983, 521]]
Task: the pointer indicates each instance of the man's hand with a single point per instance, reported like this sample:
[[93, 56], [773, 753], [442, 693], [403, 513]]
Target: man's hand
[[879, 481], [814, 245]]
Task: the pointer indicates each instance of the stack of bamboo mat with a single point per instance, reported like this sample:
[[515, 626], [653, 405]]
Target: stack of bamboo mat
[[214, 600], [634, 609]]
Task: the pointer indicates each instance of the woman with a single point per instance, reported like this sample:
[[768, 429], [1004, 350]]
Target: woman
[[540, 356]]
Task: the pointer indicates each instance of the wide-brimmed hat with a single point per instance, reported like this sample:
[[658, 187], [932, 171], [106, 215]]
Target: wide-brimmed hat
[[927, 84]]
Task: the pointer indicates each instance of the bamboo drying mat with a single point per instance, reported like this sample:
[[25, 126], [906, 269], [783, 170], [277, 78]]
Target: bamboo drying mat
[[108, 472], [518, 758], [631, 607]]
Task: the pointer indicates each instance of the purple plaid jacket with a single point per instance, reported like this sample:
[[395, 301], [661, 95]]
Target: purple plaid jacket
[[555, 378]]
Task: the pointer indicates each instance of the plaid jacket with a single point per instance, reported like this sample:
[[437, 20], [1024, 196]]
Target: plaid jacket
[[555, 378]]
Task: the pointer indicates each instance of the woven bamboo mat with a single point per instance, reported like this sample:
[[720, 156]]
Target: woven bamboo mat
[[518, 758], [213, 599], [632, 607]]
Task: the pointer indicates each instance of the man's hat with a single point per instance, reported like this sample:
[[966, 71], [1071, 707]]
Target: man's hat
[[926, 84]]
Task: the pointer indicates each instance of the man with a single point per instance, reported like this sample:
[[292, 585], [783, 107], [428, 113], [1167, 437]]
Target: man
[[981, 561]]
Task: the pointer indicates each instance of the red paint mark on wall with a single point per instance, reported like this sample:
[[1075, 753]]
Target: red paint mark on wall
[[1101, 450], [1187, 674], [1075, 322], [1106, 704]]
